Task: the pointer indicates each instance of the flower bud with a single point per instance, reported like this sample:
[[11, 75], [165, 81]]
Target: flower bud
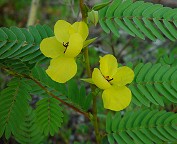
[[93, 17]]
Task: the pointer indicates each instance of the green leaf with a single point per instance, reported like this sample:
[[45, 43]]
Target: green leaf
[[100, 6], [123, 26], [35, 34], [13, 50], [49, 116], [23, 43], [112, 8], [133, 28], [154, 84], [115, 121], [144, 29], [10, 34], [108, 123], [77, 95], [144, 126], [3, 35], [28, 35], [112, 27], [20, 36], [29, 131], [102, 13], [163, 29], [48, 30], [111, 139], [88, 80], [139, 18], [41, 31], [87, 42], [40, 75], [13, 106], [155, 31], [70, 91]]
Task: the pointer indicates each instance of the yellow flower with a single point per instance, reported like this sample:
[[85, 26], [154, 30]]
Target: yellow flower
[[116, 96], [63, 48]]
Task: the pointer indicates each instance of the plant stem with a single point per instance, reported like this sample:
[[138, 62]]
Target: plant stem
[[87, 64], [48, 92], [113, 50], [83, 10], [125, 46], [95, 119], [112, 47], [33, 12], [62, 101], [94, 106]]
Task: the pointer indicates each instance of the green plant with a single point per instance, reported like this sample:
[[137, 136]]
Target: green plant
[[33, 106]]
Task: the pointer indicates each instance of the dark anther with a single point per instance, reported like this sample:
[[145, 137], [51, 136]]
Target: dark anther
[[66, 44], [110, 80]]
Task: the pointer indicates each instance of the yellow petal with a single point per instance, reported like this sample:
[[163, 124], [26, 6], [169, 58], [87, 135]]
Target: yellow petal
[[75, 45], [116, 98], [108, 65], [81, 28], [50, 47], [61, 31], [99, 80], [62, 69], [123, 76]]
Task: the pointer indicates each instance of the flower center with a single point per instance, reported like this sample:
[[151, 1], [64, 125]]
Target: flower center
[[66, 46], [108, 78]]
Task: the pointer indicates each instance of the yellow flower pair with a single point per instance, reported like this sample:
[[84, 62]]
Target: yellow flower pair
[[66, 45], [63, 48]]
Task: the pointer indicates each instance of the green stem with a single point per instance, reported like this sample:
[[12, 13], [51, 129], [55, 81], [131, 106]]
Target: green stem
[[87, 64], [126, 45], [94, 106], [112, 47], [95, 119], [57, 98], [83, 10]]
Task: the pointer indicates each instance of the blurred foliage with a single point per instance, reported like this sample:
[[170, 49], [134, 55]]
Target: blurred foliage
[[11, 12], [15, 12]]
